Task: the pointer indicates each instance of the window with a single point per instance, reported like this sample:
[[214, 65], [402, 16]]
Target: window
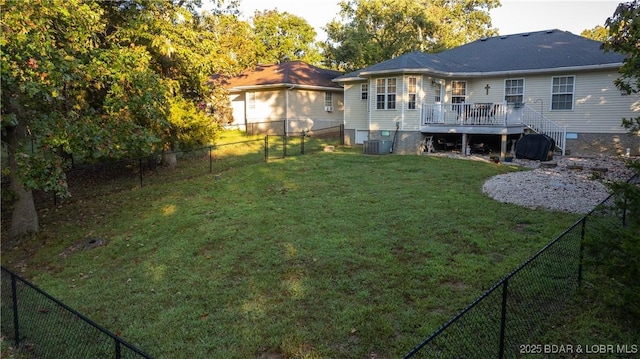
[[458, 91], [514, 91], [562, 93], [437, 92], [364, 91], [251, 99], [328, 101], [413, 90], [386, 94]]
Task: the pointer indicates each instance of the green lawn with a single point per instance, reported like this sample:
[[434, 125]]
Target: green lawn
[[327, 255]]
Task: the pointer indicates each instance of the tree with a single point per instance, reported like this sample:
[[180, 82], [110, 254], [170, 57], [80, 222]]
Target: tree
[[99, 79], [598, 33], [44, 78], [624, 37], [282, 37], [373, 31], [179, 55], [617, 249]]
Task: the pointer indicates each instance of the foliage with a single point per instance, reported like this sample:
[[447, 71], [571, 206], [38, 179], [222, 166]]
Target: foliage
[[373, 31], [44, 81], [282, 37], [235, 47], [624, 36], [617, 249], [598, 33], [106, 79]]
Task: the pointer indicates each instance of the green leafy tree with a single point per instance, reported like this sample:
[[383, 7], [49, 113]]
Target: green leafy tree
[[98, 80], [372, 31], [624, 37], [44, 71], [598, 33], [616, 249], [282, 37], [184, 52]]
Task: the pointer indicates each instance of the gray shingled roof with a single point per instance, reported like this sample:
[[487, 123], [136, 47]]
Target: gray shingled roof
[[517, 53]]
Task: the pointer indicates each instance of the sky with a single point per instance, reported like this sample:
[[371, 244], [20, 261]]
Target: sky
[[514, 16]]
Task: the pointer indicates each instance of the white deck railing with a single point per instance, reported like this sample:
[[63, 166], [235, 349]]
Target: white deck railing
[[462, 114], [493, 114], [540, 124]]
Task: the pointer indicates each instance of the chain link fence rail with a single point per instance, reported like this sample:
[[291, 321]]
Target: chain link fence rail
[[294, 144], [87, 181], [514, 312], [43, 327], [96, 179]]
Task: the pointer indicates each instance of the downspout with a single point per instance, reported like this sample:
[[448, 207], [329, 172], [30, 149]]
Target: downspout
[[395, 136], [286, 108], [369, 101]]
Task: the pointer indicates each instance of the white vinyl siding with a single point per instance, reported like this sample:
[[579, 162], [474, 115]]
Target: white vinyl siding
[[598, 106], [356, 112]]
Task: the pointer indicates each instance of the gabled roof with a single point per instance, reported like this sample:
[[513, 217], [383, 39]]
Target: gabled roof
[[540, 51], [294, 73]]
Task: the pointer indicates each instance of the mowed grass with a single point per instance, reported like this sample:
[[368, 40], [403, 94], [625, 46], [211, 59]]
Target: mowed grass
[[327, 255]]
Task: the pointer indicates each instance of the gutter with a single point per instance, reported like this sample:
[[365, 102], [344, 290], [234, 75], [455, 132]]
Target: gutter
[[283, 85], [363, 75]]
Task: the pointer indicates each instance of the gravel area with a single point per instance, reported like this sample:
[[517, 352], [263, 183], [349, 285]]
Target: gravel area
[[567, 184]]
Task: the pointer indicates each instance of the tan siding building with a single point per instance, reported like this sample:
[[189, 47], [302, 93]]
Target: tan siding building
[[298, 94], [557, 84]]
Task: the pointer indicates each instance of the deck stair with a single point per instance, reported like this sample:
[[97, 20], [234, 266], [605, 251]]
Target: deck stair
[[535, 121]]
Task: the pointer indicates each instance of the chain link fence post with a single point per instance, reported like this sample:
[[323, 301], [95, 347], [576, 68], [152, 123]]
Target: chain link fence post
[[14, 298]]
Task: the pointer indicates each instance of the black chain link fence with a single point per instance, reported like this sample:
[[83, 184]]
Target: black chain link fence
[[96, 179], [43, 327], [92, 180], [514, 312], [294, 144]]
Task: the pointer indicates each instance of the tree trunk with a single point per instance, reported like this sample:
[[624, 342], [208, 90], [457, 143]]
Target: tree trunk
[[24, 219], [169, 160]]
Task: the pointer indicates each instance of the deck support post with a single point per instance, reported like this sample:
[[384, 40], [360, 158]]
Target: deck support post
[[465, 140], [503, 148]]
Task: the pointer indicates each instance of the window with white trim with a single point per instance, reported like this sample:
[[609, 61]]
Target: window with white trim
[[251, 99], [386, 94], [437, 92], [458, 91], [364, 91], [562, 93], [412, 91], [514, 90], [328, 101]]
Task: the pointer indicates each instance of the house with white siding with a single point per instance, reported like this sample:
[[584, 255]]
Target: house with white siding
[[494, 90], [301, 96]]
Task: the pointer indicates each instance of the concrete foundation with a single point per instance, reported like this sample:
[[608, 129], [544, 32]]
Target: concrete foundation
[[585, 144]]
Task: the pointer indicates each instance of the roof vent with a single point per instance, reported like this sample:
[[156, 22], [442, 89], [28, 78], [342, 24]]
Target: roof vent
[[483, 39], [525, 34], [504, 37], [549, 31]]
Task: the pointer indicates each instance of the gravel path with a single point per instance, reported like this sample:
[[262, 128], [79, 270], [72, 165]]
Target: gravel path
[[574, 185]]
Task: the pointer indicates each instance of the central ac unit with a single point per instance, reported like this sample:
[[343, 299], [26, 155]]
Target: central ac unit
[[377, 147]]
